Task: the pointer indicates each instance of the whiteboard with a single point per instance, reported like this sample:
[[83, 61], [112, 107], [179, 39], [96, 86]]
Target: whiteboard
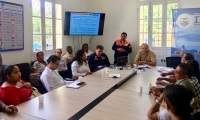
[[11, 26]]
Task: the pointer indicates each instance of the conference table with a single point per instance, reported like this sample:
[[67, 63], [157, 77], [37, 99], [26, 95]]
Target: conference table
[[127, 103], [17, 116], [101, 98], [121, 105]]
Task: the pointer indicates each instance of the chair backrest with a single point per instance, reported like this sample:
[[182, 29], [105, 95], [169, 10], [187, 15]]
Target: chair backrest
[[69, 69], [42, 89], [197, 115], [33, 62], [173, 61], [25, 70]]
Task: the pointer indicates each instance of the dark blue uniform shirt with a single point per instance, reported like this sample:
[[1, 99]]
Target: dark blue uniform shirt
[[95, 61]]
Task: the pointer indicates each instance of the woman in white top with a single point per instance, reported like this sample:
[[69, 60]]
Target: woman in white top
[[176, 100], [40, 64], [80, 66], [85, 49]]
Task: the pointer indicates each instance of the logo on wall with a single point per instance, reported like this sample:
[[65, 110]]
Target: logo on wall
[[184, 21]]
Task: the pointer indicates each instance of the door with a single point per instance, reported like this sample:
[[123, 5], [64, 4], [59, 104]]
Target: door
[[156, 28]]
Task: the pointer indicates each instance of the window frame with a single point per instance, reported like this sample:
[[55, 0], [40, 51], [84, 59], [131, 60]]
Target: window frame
[[150, 4], [43, 29]]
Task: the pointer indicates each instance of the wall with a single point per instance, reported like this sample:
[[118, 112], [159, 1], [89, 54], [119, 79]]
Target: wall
[[22, 55], [190, 3]]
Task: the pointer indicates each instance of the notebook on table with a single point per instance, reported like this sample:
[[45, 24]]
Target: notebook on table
[[76, 84]]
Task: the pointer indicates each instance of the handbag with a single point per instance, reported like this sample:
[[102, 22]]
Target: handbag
[[35, 93]]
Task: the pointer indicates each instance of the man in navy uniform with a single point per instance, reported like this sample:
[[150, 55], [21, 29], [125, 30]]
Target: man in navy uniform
[[121, 47], [98, 60]]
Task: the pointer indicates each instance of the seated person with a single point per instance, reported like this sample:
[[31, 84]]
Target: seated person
[[195, 65], [186, 57], [85, 49], [184, 72], [1, 68], [183, 76], [50, 76], [69, 54], [98, 60], [145, 56], [177, 105], [80, 65], [62, 68], [14, 91], [7, 109], [40, 64]]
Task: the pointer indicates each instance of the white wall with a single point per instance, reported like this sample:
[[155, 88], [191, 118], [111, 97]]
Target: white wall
[[21, 56], [190, 3]]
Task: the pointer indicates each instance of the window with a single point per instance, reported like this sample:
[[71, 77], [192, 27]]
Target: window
[[151, 29], [170, 34], [36, 21], [144, 24], [157, 26], [47, 25], [58, 26]]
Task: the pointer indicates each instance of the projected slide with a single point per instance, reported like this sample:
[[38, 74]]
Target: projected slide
[[84, 23]]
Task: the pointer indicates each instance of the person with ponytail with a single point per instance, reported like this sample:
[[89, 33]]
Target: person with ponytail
[[176, 99]]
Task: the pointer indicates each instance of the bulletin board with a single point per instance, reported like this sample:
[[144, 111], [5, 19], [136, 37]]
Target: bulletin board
[[11, 26]]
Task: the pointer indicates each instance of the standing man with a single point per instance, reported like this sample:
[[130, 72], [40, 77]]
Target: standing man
[[69, 54], [98, 60], [121, 47], [145, 56]]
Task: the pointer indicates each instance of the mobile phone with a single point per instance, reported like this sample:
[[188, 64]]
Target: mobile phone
[[81, 83]]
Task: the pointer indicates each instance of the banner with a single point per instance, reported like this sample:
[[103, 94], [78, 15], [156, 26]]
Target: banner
[[186, 24]]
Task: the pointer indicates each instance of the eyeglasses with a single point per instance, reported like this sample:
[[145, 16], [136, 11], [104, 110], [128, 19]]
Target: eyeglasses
[[56, 64], [176, 72]]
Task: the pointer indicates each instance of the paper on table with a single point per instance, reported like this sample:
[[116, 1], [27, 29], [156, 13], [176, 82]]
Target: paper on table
[[112, 75], [74, 85], [161, 69], [144, 66]]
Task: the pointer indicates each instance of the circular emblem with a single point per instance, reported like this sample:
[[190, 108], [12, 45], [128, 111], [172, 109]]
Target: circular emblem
[[184, 21]]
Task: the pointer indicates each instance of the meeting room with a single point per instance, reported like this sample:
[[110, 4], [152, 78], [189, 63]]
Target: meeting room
[[99, 59]]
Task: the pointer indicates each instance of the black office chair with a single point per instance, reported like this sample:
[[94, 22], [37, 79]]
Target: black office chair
[[197, 115], [25, 70], [69, 69], [33, 62], [173, 61], [42, 89]]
